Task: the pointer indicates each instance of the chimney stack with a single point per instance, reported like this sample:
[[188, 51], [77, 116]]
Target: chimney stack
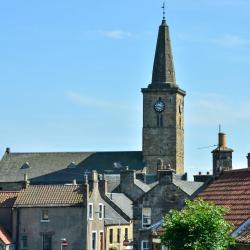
[[25, 181], [222, 140], [165, 176], [248, 160]]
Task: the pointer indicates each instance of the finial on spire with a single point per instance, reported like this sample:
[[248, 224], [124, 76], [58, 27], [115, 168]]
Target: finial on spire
[[163, 11]]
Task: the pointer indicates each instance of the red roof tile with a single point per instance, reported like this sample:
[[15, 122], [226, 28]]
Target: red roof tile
[[50, 195], [231, 190], [7, 198], [4, 237]]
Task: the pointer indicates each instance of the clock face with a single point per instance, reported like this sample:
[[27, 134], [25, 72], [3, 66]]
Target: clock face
[[159, 106]]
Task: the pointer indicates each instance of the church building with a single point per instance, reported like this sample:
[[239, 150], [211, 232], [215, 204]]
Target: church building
[[162, 140]]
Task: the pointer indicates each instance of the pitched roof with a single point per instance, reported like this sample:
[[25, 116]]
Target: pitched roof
[[7, 198], [143, 186], [50, 195], [244, 236], [189, 187], [231, 190], [64, 167], [4, 237], [123, 202]]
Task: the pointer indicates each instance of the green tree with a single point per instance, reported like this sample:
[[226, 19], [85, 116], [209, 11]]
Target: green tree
[[199, 226]]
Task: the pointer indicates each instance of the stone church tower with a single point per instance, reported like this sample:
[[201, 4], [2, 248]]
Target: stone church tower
[[163, 110]]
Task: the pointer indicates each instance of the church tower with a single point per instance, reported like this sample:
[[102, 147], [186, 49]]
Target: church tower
[[163, 110]]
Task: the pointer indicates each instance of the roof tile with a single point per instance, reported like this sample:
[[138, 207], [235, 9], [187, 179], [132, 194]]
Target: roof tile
[[7, 198], [231, 190], [50, 195]]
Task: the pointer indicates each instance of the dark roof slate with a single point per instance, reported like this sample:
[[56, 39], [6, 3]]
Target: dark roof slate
[[123, 202], [64, 167], [231, 190], [50, 196]]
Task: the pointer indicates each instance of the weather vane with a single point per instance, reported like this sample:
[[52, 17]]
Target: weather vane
[[163, 10]]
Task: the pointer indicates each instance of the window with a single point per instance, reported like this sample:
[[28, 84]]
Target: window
[[126, 233], [146, 217], [91, 211], [24, 242], [94, 240], [144, 245], [101, 240], [100, 211], [111, 235], [47, 242], [118, 235], [45, 215]]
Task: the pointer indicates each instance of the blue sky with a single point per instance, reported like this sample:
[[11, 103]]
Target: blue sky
[[71, 73]]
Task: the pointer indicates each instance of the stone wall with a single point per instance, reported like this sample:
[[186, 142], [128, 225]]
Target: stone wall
[[63, 223]]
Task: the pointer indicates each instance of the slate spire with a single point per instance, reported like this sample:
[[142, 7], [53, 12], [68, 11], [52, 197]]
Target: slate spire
[[163, 70]]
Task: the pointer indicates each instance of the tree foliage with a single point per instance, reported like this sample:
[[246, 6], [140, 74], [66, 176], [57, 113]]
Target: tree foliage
[[199, 226]]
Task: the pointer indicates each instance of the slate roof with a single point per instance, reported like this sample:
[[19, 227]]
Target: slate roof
[[113, 182], [231, 190], [189, 187], [143, 186], [64, 167], [123, 202], [7, 199], [50, 196], [112, 217]]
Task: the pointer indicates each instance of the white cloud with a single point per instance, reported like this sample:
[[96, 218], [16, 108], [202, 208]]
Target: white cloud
[[115, 34], [232, 41], [212, 108], [93, 102]]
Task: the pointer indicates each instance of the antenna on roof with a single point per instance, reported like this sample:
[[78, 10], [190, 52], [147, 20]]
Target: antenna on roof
[[219, 128], [211, 146]]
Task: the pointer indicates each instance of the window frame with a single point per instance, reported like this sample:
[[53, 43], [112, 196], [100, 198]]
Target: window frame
[[91, 216], [126, 233], [118, 239], [101, 211], [145, 225], [94, 232], [45, 215], [111, 239], [22, 247], [43, 240], [142, 247]]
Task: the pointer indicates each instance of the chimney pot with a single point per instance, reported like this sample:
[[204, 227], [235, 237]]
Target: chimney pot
[[7, 150], [222, 140], [248, 160], [94, 176], [85, 179]]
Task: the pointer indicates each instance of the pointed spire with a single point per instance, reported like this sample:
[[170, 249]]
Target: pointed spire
[[163, 70]]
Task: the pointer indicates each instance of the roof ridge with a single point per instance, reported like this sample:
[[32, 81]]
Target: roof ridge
[[75, 152]]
